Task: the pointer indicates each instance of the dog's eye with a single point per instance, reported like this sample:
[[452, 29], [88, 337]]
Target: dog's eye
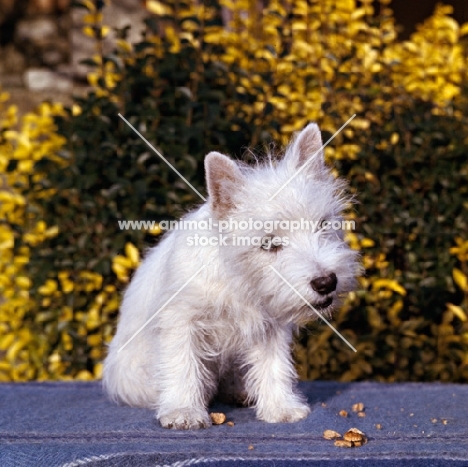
[[324, 224], [271, 243]]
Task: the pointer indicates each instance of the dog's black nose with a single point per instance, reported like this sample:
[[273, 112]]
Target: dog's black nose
[[325, 284]]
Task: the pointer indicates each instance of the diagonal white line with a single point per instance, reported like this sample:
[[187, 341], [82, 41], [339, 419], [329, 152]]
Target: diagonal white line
[[162, 157], [310, 159], [155, 314], [312, 308]]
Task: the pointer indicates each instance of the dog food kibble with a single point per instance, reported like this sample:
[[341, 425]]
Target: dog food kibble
[[217, 418], [359, 407], [355, 433], [341, 443], [353, 438], [230, 423], [343, 413], [331, 434], [361, 414]]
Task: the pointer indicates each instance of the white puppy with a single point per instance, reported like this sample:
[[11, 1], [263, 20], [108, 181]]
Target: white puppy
[[220, 316]]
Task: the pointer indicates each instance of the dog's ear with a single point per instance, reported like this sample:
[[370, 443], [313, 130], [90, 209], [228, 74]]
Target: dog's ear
[[307, 149], [223, 178]]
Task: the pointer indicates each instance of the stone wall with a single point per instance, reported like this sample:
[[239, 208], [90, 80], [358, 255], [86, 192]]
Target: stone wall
[[42, 44]]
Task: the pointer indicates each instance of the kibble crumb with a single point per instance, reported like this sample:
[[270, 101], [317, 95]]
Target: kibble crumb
[[444, 422], [250, 447], [217, 418], [361, 414], [434, 420], [230, 423], [341, 443], [359, 407], [343, 413], [331, 434], [378, 426]]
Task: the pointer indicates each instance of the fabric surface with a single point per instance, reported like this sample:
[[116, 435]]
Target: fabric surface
[[73, 424]]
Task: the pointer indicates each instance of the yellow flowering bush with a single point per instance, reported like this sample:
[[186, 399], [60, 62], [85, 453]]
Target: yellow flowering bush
[[226, 76], [460, 278], [20, 230], [35, 334]]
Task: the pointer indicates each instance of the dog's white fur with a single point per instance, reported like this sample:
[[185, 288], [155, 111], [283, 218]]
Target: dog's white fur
[[231, 326]]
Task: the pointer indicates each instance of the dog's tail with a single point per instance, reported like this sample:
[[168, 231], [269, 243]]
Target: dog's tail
[[125, 378]]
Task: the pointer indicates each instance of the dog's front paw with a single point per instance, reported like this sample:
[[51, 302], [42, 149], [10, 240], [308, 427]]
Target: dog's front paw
[[185, 419], [285, 414]]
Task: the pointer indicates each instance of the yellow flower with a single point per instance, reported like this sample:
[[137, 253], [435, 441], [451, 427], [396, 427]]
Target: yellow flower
[[457, 311], [460, 279], [132, 253], [389, 284], [48, 288]]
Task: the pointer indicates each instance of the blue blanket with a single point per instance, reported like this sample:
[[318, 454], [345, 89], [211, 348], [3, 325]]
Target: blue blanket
[[72, 424]]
